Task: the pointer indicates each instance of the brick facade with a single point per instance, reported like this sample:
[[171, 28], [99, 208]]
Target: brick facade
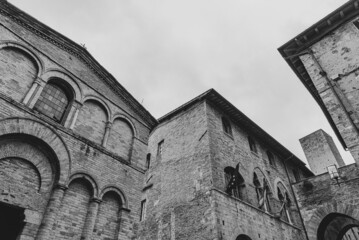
[[79, 177]]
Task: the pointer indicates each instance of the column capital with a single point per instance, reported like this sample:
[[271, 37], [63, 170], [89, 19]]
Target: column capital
[[61, 187], [122, 209], [40, 81], [108, 124], [96, 200]]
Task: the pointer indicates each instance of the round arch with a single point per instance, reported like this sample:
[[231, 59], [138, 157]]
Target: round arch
[[34, 56], [88, 178], [46, 134], [279, 181], [101, 102], [320, 213], [243, 237], [259, 170], [54, 73], [334, 226], [118, 192], [126, 119]]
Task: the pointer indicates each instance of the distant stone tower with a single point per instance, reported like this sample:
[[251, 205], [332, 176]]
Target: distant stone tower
[[320, 151]]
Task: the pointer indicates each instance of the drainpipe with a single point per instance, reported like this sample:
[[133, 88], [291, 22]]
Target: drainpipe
[[295, 199]]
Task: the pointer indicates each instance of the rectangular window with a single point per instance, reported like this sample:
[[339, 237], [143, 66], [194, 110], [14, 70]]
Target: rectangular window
[[160, 149], [296, 175], [143, 210]]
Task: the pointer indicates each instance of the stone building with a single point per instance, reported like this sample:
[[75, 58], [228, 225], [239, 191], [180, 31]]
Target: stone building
[[325, 58], [320, 151], [193, 152], [80, 158]]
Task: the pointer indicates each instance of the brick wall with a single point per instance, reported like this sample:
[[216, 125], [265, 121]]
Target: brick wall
[[66, 160]]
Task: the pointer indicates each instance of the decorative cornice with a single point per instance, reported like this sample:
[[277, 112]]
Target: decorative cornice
[[78, 51]]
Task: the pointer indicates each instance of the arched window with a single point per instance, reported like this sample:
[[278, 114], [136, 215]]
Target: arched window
[[54, 100], [285, 205], [270, 158], [252, 145], [234, 182], [226, 126]]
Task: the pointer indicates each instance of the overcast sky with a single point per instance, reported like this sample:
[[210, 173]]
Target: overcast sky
[[166, 52]]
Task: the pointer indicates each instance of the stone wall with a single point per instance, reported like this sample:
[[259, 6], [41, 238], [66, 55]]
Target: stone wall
[[320, 151], [320, 197], [333, 68]]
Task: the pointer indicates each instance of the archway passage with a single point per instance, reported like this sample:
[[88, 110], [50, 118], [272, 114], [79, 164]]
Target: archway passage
[[336, 226], [243, 237], [11, 221]]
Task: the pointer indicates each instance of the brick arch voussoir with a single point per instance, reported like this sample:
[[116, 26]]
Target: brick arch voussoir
[[46, 134], [118, 191], [320, 213], [23, 48], [89, 179]]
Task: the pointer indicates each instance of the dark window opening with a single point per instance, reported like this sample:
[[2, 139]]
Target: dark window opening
[[252, 145], [148, 161], [226, 126], [54, 101], [270, 158], [11, 222], [160, 149], [143, 210], [234, 182], [356, 24], [296, 175]]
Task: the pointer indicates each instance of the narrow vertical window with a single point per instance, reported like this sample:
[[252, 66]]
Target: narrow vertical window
[[270, 158], [148, 161], [226, 126], [252, 145], [160, 149], [143, 210], [296, 175]]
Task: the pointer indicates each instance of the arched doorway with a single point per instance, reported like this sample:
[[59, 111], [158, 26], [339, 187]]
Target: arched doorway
[[11, 221], [337, 226], [243, 237]]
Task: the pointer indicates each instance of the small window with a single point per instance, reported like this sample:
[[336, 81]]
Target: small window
[[270, 158], [296, 175], [234, 182], [226, 126], [252, 145], [143, 210], [356, 24], [160, 149], [54, 101], [148, 161]]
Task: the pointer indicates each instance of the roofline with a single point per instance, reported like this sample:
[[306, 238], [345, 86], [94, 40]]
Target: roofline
[[240, 119], [292, 50], [49, 34]]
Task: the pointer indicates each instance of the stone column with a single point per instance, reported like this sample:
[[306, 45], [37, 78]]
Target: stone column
[[90, 219], [33, 90], [51, 212], [107, 133], [74, 112], [122, 213]]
